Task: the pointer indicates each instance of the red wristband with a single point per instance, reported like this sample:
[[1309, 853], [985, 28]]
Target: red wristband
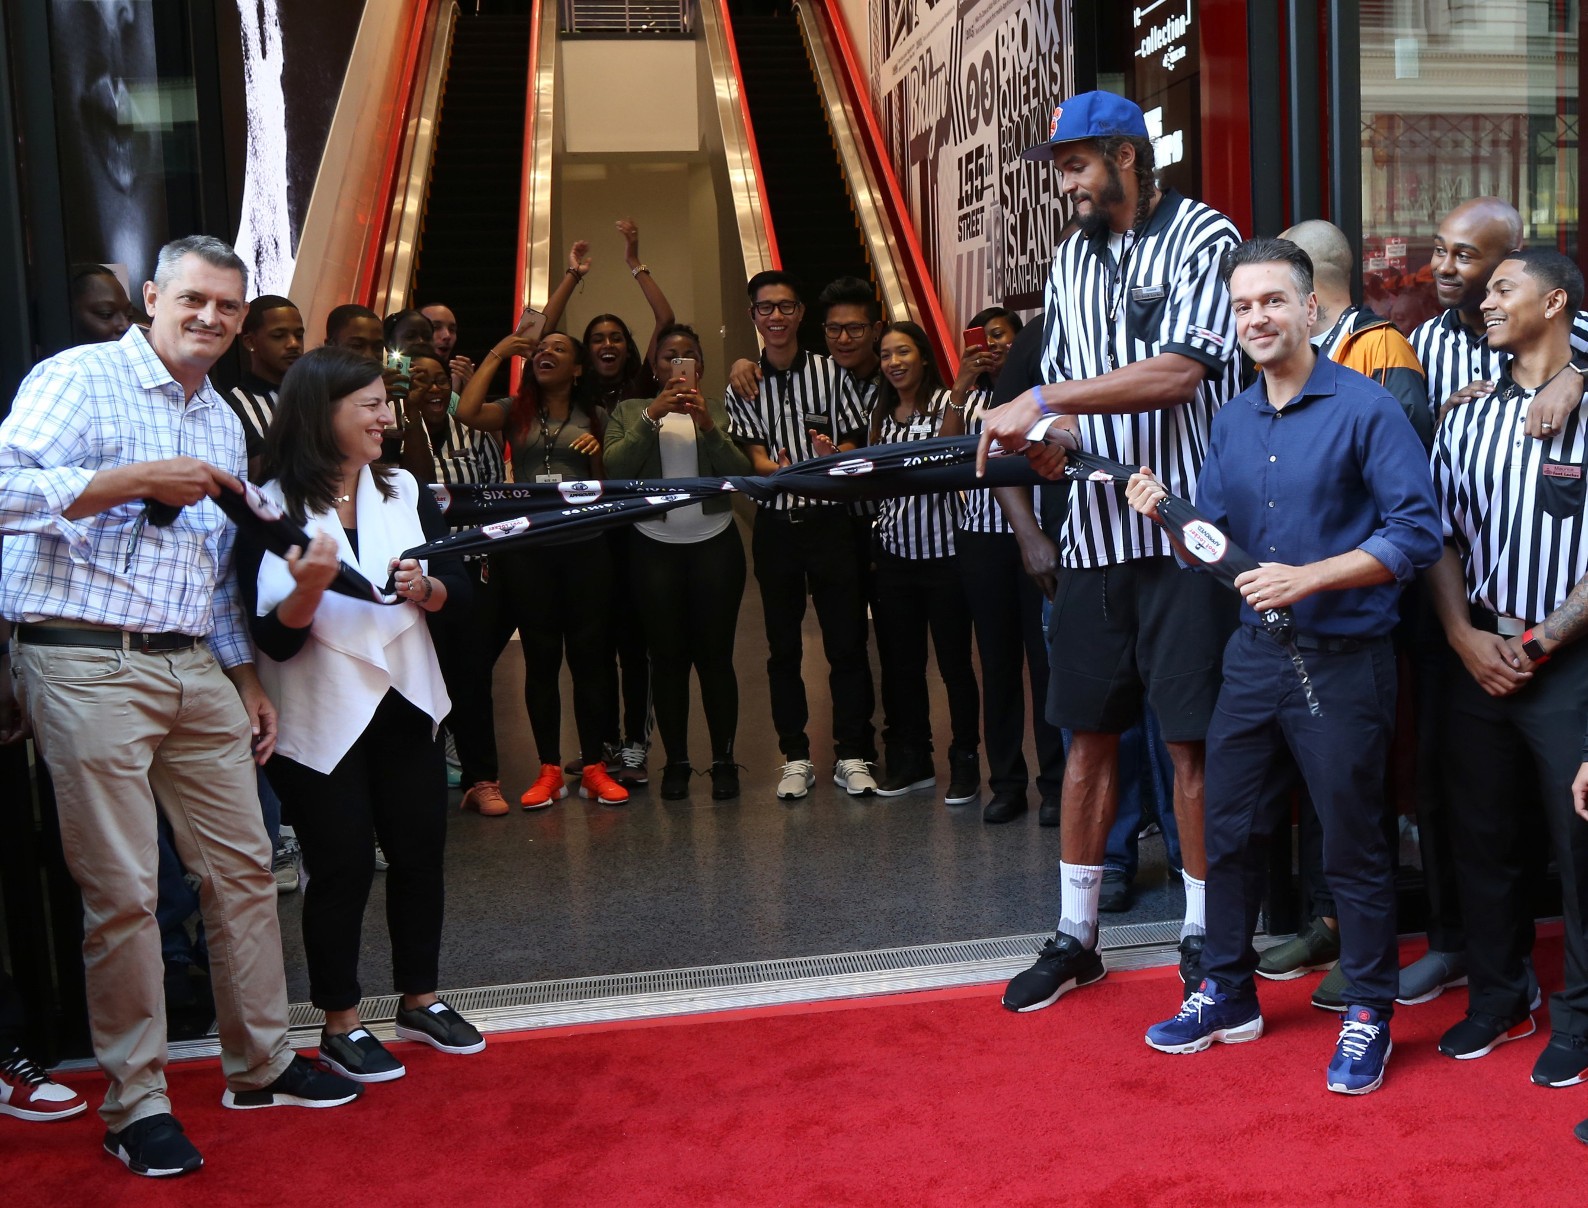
[[1533, 649]]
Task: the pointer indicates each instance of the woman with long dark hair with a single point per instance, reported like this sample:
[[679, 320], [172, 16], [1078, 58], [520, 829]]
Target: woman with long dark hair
[[560, 595], [360, 701], [1005, 604], [918, 586], [688, 565]]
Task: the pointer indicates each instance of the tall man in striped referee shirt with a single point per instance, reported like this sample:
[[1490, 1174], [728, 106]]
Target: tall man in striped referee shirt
[[1141, 348], [805, 548], [1462, 364], [1512, 593]]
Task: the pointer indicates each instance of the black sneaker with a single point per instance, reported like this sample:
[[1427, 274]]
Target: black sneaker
[[1191, 963], [304, 1083], [1478, 1035], [964, 777], [1061, 966], [1116, 896], [358, 1056], [724, 780], [439, 1026], [155, 1147], [675, 781], [908, 772], [1004, 807], [1048, 814], [1563, 1061]]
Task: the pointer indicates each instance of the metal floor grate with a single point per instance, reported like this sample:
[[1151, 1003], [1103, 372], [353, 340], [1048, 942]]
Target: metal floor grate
[[668, 992]]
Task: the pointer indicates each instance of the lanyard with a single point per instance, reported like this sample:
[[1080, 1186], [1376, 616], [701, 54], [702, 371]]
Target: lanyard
[[1127, 245], [549, 437]]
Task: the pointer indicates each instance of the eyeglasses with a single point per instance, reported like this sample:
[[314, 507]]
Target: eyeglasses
[[854, 331], [786, 307]]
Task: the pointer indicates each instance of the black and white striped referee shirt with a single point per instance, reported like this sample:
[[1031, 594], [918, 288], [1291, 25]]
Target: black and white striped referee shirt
[[918, 526], [1453, 355], [467, 456], [808, 394], [1099, 315], [254, 402], [865, 394], [1513, 506], [981, 513]]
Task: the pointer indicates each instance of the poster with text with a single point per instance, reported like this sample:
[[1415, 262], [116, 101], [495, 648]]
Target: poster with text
[[961, 87]]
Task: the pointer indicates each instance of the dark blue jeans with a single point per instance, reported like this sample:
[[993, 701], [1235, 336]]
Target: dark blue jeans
[[1261, 736]]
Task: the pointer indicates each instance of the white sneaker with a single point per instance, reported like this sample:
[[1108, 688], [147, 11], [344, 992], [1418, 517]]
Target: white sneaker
[[796, 779], [855, 778], [380, 859]]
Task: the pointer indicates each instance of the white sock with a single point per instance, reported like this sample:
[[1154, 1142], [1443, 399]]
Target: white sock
[[1080, 886], [1196, 906]]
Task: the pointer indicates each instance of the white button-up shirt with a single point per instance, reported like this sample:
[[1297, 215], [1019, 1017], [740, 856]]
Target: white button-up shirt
[[93, 408]]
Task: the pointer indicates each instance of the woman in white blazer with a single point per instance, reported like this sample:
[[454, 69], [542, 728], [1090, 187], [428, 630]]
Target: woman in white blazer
[[360, 697]]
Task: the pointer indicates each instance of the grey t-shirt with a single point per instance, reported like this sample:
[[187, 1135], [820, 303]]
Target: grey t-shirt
[[546, 447]]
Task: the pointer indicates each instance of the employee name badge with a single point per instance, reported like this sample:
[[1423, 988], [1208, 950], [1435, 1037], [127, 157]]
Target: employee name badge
[[548, 477], [1149, 293], [920, 429]]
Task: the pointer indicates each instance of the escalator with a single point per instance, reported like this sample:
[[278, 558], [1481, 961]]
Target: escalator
[[818, 235], [472, 218]]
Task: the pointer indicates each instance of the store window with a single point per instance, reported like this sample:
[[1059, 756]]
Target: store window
[[1460, 99]]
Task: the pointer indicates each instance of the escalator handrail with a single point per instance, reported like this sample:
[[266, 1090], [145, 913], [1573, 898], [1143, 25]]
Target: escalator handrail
[[751, 148], [386, 182], [873, 144], [532, 264]]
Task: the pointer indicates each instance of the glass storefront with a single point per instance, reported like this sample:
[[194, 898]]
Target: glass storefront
[[1461, 99]]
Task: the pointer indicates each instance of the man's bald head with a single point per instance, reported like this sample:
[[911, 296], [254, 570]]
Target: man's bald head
[[1330, 251], [1472, 240]]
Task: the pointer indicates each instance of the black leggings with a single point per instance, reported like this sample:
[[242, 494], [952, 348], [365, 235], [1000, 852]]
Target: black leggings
[[560, 596], [916, 596], [690, 595], [628, 640], [391, 786]]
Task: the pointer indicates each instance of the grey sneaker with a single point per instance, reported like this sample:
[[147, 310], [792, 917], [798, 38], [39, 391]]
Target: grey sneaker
[[1318, 947], [796, 778], [1430, 975], [854, 777], [285, 865]]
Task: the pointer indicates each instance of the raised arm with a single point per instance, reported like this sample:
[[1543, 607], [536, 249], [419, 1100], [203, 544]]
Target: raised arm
[[474, 409], [578, 266], [661, 308]]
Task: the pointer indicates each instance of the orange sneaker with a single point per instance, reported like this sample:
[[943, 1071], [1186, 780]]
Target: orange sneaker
[[596, 785], [548, 788], [485, 796]]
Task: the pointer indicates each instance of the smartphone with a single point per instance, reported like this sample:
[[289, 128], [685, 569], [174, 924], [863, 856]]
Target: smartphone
[[684, 367], [399, 361], [531, 324], [975, 337]]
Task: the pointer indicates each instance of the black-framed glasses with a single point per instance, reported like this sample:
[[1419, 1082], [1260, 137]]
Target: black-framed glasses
[[855, 331], [785, 307]]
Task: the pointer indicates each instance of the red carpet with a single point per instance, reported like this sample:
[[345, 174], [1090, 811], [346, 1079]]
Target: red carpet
[[923, 1099]]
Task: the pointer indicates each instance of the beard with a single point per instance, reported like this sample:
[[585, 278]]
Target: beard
[[1096, 220]]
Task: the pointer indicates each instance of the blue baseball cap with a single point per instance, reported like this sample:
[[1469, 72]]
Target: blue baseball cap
[[1090, 115]]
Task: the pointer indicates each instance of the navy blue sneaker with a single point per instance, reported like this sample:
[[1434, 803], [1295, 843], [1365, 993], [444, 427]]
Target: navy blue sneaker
[[1208, 1014], [1361, 1053]]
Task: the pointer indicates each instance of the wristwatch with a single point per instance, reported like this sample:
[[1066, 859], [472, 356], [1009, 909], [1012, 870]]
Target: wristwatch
[[1534, 649]]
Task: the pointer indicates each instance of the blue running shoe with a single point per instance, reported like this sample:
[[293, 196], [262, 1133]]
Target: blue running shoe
[[1208, 1014], [1361, 1052]]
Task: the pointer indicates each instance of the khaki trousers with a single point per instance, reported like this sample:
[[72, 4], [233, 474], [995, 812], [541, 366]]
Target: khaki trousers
[[125, 734]]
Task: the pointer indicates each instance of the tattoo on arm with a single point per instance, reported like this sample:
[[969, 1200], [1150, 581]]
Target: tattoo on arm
[[1568, 622]]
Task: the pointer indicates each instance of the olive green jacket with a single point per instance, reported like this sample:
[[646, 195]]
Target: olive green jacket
[[633, 448]]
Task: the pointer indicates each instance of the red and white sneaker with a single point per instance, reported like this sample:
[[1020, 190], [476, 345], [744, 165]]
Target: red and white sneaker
[[597, 785], [28, 1093], [548, 788]]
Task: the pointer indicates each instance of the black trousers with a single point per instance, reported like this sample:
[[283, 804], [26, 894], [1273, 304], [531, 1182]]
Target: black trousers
[[1487, 741], [691, 594], [468, 643], [391, 786], [559, 597], [13, 1016], [810, 552], [1006, 610], [917, 596], [862, 530], [1260, 736], [627, 634]]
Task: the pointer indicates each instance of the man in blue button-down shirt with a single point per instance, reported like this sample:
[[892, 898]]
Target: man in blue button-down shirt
[[1317, 472]]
